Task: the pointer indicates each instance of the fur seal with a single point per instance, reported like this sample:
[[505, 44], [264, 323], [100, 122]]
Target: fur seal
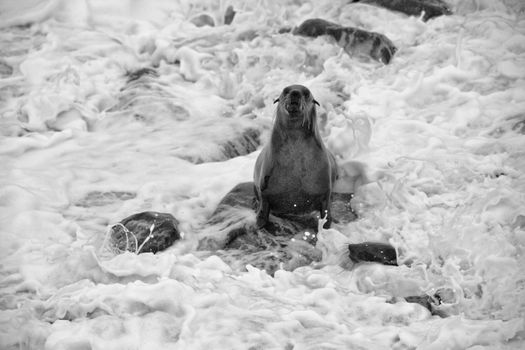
[[294, 173]]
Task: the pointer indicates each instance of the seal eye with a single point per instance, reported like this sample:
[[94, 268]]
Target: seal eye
[[306, 94], [286, 91]]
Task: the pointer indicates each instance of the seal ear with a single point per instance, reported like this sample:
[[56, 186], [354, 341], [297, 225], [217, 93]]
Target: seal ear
[[275, 101], [317, 103]]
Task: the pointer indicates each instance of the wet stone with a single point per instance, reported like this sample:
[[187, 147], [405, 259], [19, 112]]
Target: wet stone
[[203, 20], [382, 253], [246, 143], [229, 14], [241, 196], [354, 41], [141, 72], [431, 8], [146, 232], [147, 99], [424, 300]]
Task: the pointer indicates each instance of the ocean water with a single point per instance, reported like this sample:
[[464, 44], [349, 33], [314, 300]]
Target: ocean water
[[432, 145]]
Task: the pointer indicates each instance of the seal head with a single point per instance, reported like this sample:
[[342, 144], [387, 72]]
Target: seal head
[[296, 108]]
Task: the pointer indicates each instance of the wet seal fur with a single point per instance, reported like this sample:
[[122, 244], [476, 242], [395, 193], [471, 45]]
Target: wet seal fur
[[295, 173]]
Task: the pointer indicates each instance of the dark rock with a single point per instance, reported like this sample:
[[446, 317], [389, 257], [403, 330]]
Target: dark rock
[[222, 147], [229, 15], [285, 30], [314, 27], [430, 302], [352, 40], [203, 20], [241, 196], [373, 252], [139, 73], [285, 242], [358, 41], [146, 232], [432, 8], [246, 143], [424, 300], [144, 98]]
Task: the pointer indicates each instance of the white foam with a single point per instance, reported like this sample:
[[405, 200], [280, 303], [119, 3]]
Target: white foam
[[426, 143]]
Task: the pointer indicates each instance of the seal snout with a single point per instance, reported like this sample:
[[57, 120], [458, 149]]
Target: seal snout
[[294, 101]]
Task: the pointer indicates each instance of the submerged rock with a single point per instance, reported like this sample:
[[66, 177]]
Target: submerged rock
[[203, 20], [99, 198], [246, 143], [139, 73], [146, 232]]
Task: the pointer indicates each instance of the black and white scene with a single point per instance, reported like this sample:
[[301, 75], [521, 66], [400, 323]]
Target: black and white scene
[[257, 174]]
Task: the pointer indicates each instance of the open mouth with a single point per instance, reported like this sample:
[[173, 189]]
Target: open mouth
[[293, 106]]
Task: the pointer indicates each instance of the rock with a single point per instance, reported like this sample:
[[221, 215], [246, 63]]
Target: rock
[[424, 300], [431, 8], [382, 253], [222, 147], [354, 41], [139, 73], [246, 143], [241, 196], [203, 20], [286, 242], [229, 15], [314, 27], [135, 100], [146, 232]]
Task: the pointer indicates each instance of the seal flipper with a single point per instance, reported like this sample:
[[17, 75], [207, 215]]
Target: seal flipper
[[325, 210], [265, 182], [263, 213]]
